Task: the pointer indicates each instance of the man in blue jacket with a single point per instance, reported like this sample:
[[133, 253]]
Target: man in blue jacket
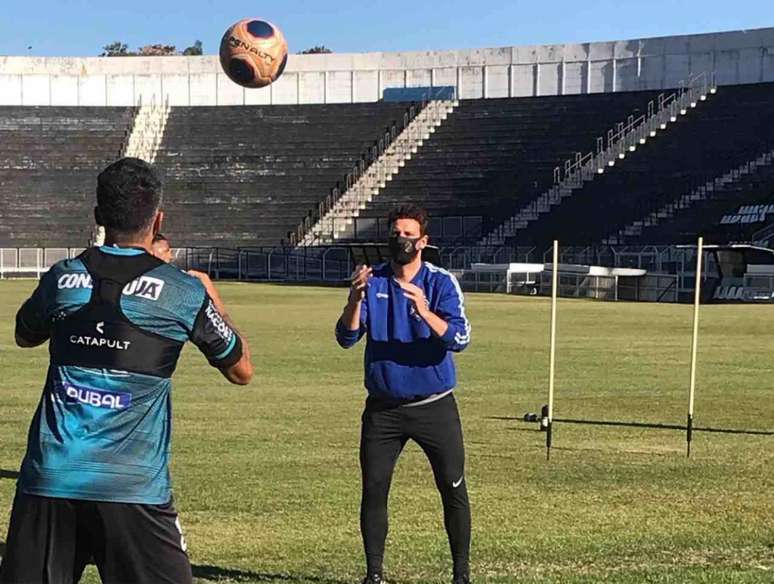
[[413, 314]]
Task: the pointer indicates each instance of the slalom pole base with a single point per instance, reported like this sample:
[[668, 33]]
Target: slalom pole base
[[549, 429], [689, 435]]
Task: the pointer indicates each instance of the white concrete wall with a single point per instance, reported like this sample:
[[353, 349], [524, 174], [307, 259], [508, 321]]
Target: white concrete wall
[[659, 63]]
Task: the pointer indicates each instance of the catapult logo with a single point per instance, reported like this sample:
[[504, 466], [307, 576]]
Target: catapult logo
[[96, 397], [99, 341], [144, 287]]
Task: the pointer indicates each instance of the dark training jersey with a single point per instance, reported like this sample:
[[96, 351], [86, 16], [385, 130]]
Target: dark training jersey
[[116, 320]]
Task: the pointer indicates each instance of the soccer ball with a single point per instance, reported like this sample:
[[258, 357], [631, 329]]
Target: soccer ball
[[253, 53]]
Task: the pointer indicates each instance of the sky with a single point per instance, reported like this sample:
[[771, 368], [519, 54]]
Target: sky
[[83, 27]]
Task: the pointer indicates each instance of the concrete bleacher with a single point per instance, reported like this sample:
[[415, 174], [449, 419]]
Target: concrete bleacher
[[733, 127], [493, 155], [734, 213], [49, 161], [246, 175]]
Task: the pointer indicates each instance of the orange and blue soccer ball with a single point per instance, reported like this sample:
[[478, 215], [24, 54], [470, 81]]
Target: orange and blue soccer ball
[[253, 52]]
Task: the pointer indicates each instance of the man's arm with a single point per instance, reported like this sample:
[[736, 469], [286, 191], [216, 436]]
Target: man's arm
[[349, 328], [24, 343], [238, 372], [32, 326]]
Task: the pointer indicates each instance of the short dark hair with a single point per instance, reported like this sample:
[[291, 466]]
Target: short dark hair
[[410, 211], [128, 196], [159, 237]]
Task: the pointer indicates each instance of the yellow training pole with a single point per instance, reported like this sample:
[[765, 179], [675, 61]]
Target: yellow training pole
[[552, 355], [694, 344]]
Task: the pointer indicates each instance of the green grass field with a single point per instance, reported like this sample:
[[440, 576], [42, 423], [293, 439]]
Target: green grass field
[[267, 480]]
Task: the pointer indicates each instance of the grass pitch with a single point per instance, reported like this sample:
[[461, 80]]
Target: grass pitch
[[267, 481]]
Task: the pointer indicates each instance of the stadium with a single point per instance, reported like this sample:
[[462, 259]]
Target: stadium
[[625, 153]]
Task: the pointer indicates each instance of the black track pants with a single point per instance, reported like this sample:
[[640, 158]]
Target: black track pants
[[437, 429]]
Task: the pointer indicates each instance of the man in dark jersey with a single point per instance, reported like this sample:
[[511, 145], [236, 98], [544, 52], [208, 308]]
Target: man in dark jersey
[[95, 479]]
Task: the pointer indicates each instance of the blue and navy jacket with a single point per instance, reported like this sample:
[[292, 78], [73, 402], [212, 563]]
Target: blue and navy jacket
[[404, 360], [101, 432]]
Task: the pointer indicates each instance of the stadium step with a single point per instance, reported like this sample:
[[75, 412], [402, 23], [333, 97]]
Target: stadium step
[[339, 219], [711, 190], [147, 131], [622, 139]]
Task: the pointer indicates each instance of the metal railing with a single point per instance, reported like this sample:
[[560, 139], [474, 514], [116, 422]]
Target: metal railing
[[764, 235], [367, 158], [32, 261], [268, 264], [627, 135], [650, 288], [465, 230], [621, 139], [334, 263], [705, 188], [367, 185]]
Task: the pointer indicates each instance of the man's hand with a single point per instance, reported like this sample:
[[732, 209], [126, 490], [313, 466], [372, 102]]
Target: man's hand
[[417, 297], [358, 282]]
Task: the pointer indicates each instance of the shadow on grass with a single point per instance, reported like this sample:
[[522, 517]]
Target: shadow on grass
[[8, 474], [216, 573]]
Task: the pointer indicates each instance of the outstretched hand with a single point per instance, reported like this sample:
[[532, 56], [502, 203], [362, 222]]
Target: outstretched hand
[[358, 282]]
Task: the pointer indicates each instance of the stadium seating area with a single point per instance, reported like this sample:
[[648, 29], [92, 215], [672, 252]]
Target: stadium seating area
[[493, 155], [719, 218], [246, 175], [731, 128], [49, 159]]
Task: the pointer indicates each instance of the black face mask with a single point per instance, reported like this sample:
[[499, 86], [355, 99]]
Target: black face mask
[[403, 249]]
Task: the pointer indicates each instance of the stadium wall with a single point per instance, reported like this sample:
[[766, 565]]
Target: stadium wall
[[656, 63]]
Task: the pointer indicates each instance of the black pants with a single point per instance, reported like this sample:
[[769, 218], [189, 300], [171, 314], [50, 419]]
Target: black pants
[[50, 541], [437, 429]]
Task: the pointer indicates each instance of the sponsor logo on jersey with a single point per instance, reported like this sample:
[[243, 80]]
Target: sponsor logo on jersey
[[144, 287], [219, 324], [96, 397], [100, 342]]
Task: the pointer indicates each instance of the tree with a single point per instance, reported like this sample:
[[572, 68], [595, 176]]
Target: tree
[[317, 50], [194, 50], [157, 50], [116, 49], [119, 49]]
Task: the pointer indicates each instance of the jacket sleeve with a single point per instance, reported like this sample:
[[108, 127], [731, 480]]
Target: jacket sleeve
[[451, 308], [347, 338]]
